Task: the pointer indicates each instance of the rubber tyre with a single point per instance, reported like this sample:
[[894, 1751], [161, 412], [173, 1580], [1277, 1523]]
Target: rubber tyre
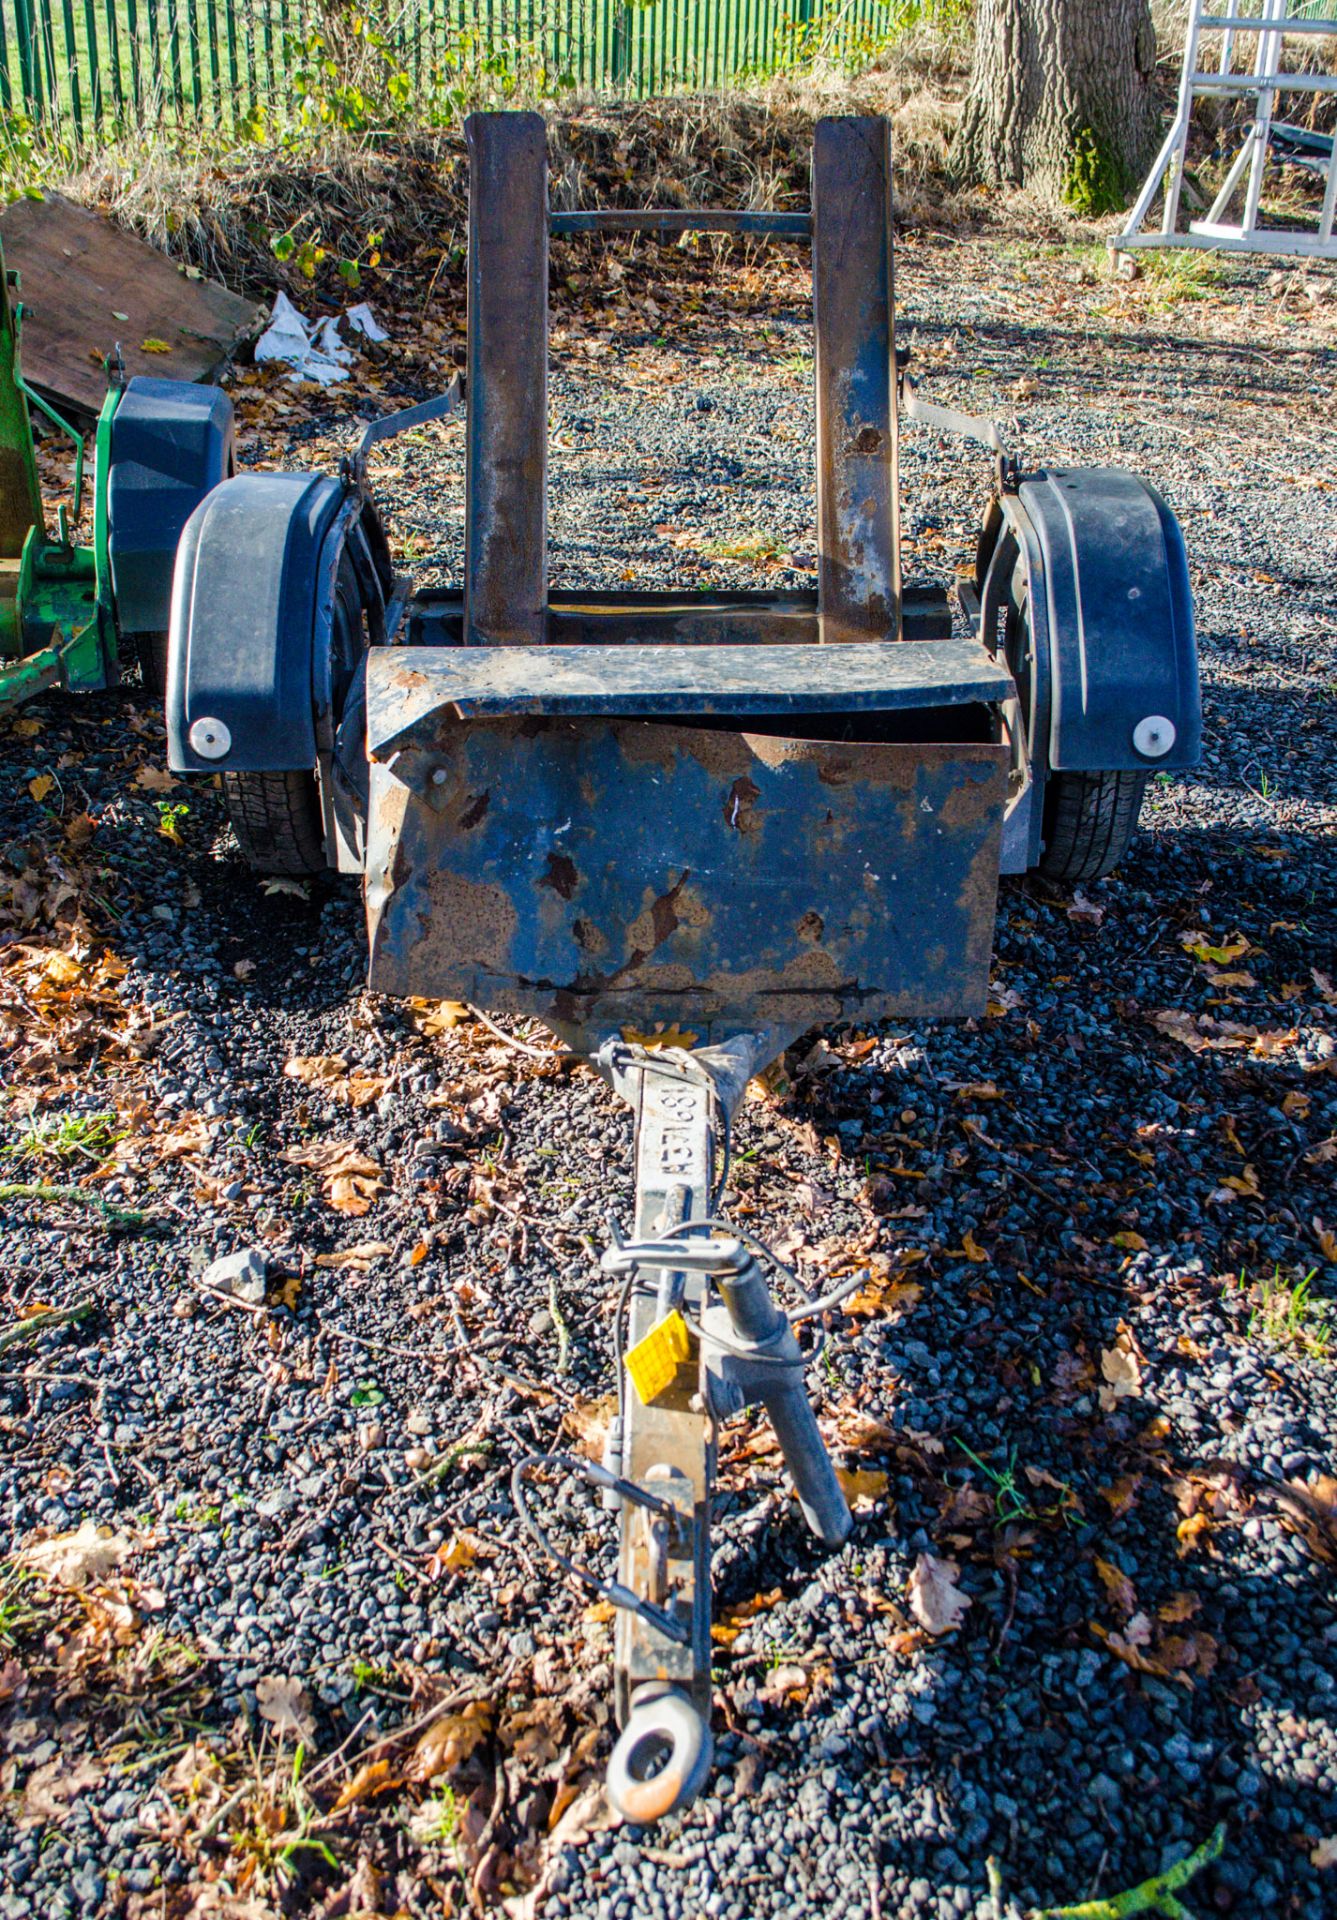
[[1090, 818], [276, 818], [151, 651]]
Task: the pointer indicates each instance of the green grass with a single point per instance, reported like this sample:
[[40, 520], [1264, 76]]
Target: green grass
[[437, 1821], [1010, 1503], [189, 1515], [20, 1607], [753, 549], [1174, 276], [1286, 1316], [66, 1138]]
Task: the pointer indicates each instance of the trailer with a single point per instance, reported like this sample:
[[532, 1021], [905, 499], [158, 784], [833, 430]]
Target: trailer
[[725, 818], [72, 615]]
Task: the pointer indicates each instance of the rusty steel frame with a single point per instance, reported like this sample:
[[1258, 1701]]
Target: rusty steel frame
[[850, 226], [627, 811], [724, 616], [606, 871], [506, 432], [858, 511]]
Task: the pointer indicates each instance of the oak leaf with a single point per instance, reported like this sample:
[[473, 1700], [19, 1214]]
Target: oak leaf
[[78, 1559], [351, 1179], [374, 1776], [1121, 1370], [1122, 1593], [862, 1486]]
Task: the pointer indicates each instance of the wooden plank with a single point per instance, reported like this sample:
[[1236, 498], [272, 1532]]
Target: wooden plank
[[79, 272]]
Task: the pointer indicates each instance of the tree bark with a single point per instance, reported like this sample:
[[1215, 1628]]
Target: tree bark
[[1061, 100]]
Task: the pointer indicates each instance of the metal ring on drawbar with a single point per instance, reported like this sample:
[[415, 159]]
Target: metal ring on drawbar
[[662, 1757]]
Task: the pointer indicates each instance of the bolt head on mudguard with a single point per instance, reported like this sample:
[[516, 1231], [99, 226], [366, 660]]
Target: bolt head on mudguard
[[1154, 736], [211, 739]]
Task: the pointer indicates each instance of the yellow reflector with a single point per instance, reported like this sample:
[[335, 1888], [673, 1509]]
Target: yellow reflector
[[654, 1361]]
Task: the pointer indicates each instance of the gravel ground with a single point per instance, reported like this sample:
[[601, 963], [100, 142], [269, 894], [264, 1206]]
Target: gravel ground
[[1082, 1373]]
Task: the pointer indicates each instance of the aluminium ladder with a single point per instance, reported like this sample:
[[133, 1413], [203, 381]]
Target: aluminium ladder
[[1268, 27]]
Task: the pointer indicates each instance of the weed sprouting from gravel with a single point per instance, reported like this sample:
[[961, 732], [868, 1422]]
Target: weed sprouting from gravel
[[1286, 1314], [66, 1138]]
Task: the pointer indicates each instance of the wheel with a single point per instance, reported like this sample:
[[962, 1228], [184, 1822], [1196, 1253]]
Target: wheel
[[151, 652], [276, 818], [1089, 820]]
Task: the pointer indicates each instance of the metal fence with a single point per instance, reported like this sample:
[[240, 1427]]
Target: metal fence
[[82, 66]]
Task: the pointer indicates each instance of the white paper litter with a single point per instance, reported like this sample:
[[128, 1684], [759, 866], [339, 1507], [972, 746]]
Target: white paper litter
[[313, 348], [363, 320]]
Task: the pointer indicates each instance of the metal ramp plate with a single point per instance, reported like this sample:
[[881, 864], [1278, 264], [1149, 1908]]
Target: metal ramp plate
[[410, 690], [611, 873]]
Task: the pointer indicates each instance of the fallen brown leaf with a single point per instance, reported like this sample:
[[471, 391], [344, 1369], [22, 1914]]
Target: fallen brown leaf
[[315, 1069], [935, 1601], [1121, 1369], [449, 1741], [282, 1701], [77, 1559], [863, 1486], [371, 1778], [351, 1179], [360, 1258], [1122, 1593]]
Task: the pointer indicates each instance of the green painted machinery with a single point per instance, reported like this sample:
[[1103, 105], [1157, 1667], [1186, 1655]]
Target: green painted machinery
[[72, 616]]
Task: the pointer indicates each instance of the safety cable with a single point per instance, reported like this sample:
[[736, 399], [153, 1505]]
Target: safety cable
[[611, 1590]]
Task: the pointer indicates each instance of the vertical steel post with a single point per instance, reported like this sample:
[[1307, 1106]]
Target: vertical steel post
[[858, 521], [506, 444]]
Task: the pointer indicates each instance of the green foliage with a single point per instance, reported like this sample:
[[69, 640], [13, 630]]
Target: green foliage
[[802, 45], [22, 1611], [1009, 1501], [80, 1136], [1174, 277], [26, 158], [1286, 1316], [1157, 1895], [350, 75]]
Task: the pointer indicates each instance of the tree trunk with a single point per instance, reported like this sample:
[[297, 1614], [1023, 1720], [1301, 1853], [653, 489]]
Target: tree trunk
[[1061, 100]]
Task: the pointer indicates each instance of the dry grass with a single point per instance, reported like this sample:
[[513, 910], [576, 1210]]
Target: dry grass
[[748, 147]]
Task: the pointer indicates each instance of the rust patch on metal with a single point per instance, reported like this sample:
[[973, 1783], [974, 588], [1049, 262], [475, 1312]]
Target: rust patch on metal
[[476, 810], [560, 874], [469, 925], [588, 938], [739, 803], [968, 803], [646, 1801], [657, 921]]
